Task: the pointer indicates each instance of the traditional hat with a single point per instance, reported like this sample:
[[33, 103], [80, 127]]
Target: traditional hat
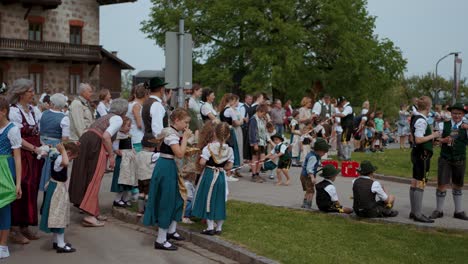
[[156, 83], [457, 106], [366, 168], [329, 171], [277, 136], [321, 144], [341, 99]]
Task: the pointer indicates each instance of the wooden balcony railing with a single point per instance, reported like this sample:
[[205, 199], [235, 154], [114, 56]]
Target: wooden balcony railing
[[21, 48]]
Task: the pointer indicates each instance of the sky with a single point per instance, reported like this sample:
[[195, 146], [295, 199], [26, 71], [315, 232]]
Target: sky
[[424, 30]]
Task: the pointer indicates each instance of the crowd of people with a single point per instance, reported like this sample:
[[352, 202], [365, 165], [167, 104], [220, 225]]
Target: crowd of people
[[176, 163]]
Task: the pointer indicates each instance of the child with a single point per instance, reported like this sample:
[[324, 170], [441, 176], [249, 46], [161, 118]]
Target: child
[[211, 194], [295, 137], [258, 140], [165, 199], [306, 139], [145, 161], [188, 182], [309, 170], [327, 197], [281, 152], [271, 131], [56, 208], [10, 144], [369, 197], [124, 177], [379, 126]]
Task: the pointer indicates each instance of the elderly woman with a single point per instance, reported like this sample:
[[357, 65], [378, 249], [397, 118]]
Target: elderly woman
[[24, 210], [55, 128], [104, 103], [305, 112], [88, 168]]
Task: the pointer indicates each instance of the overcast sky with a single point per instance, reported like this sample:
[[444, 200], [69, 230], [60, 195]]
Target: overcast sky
[[425, 30]]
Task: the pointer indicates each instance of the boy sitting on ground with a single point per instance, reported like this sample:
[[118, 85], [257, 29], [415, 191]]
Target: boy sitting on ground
[[327, 197], [370, 198]]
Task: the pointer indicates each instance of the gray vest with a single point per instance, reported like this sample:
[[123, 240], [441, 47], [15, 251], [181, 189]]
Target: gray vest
[[50, 124]]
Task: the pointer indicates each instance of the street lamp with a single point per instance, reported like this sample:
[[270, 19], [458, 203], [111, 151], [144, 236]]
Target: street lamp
[[436, 81]]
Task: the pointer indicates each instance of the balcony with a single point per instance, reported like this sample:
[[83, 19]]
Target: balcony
[[46, 50], [46, 4], [111, 2]]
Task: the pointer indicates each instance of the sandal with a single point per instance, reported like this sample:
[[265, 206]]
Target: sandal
[[101, 218]]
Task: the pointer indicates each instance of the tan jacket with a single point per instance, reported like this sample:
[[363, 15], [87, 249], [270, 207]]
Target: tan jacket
[[81, 117]]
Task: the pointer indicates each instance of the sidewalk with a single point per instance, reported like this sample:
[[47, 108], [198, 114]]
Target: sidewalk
[[292, 196]]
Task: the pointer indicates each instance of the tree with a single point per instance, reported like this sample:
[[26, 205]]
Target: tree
[[283, 46], [126, 83]]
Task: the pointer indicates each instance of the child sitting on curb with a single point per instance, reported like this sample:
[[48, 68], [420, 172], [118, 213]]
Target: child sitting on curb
[[309, 170], [327, 197], [370, 198]]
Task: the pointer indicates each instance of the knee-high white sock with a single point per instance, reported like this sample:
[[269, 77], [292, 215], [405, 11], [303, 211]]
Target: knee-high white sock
[[141, 204], [172, 227], [440, 199], [210, 224], [60, 240], [118, 196], [162, 235], [55, 238], [457, 200], [219, 225], [125, 196]]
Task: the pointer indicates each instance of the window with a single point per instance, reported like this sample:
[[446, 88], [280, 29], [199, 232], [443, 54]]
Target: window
[[75, 34], [75, 80], [36, 77], [35, 31]]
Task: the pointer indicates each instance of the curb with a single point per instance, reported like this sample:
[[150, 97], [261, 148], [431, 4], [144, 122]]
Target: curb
[[211, 243], [407, 180]]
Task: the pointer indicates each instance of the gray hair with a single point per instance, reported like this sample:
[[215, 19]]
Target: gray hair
[[58, 100], [119, 106], [82, 88], [19, 87]]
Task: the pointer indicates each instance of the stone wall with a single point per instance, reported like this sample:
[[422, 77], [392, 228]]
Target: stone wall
[[56, 25]]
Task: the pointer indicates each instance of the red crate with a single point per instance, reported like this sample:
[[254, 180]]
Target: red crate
[[349, 168], [328, 162]]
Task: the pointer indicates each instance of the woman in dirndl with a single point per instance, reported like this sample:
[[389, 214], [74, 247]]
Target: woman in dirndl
[[211, 194], [10, 144], [166, 196], [229, 115], [88, 169], [24, 210]]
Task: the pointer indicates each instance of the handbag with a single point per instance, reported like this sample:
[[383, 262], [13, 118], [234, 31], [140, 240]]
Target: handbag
[[7, 185]]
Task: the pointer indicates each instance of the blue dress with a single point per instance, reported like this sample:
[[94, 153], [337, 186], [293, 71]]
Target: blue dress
[[5, 153]]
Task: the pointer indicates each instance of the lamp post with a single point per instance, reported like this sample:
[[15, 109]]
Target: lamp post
[[436, 81]]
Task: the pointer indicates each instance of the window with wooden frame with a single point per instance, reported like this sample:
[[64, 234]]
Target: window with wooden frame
[[36, 73], [76, 34], [75, 78], [35, 31]]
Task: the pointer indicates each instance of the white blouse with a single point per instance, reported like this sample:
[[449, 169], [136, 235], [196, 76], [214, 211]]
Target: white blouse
[[13, 135], [115, 123], [102, 109], [226, 155], [17, 119], [172, 139], [207, 108]]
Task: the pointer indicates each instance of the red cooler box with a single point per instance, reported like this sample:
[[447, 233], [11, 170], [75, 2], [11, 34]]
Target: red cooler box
[[332, 162], [349, 168]]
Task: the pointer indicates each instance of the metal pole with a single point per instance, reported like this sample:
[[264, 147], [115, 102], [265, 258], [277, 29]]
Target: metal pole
[[180, 83], [454, 93], [438, 89]]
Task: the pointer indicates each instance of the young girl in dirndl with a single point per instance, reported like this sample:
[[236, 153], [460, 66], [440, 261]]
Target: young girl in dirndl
[[211, 194], [165, 199], [10, 143]]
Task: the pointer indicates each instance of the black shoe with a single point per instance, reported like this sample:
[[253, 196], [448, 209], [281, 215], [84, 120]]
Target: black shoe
[[411, 216], [436, 214], [55, 246], [218, 232], [161, 246], [422, 219], [208, 232], [119, 204], [391, 213], [172, 236], [460, 215], [65, 249]]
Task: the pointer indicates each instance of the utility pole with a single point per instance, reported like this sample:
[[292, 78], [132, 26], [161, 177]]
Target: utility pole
[[180, 82]]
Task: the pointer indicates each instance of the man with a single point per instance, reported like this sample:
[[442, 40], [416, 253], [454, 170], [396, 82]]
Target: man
[[245, 110], [153, 113], [277, 116], [80, 112], [452, 162], [346, 117], [322, 108]]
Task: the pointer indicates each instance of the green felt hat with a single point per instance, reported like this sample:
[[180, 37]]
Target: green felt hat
[[156, 83], [277, 136], [457, 106], [366, 168], [329, 171], [321, 144]]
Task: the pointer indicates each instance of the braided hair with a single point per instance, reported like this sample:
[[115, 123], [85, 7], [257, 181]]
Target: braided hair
[[222, 133]]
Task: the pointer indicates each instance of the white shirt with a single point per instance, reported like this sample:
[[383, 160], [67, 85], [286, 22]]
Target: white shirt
[[241, 109], [282, 150], [207, 108], [311, 165], [376, 188], [194, 105], [58, 163], [190, 189], [331, 190], [14, 135], [157, 113], [228, 155], [137, 134], [317, 109], [115, 123], [347, 109], [420, 125], [102, 109], [16, 117], [232, 113], [338, 127]]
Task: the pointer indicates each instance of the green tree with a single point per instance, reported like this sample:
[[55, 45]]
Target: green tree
[[283, 46]]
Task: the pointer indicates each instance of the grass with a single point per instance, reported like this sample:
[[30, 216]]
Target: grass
[[397, 162], [295, 236]]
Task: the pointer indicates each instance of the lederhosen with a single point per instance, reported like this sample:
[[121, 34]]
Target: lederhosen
[[284, 161], [421, 153], [452, 160]]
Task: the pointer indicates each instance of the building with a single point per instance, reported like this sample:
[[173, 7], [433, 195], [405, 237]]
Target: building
[[56, 44]]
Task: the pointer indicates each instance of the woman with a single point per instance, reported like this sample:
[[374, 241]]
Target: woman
[[88, 169], [104, 103], [24, 210], [305, 112], [138, 97], [194, 106], [206, 110], [403, 125], [421, 155], [55, 128], [288, 110]]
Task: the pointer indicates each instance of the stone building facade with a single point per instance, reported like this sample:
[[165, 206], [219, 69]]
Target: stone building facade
[[56, 44]]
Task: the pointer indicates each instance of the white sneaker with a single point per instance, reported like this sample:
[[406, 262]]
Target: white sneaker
[[271, 177], [232, 179], [186, 220], [4, 252]]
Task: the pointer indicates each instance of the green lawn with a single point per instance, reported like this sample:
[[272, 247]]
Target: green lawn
[[396, 162], [294, 236]]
